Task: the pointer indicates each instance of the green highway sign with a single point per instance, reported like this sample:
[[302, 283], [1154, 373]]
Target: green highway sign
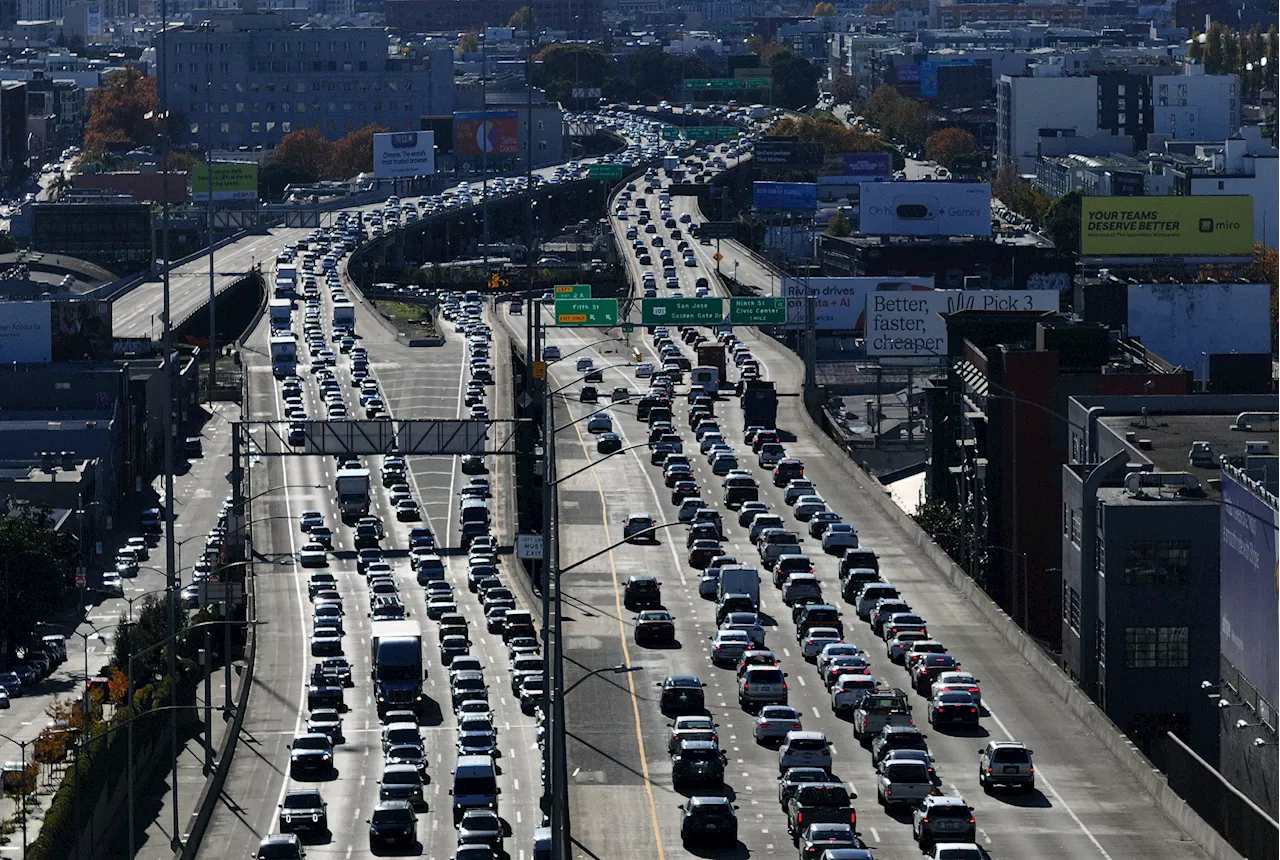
[[670, 132], [628, 328], [573, 291], [682, 311], [702, 132], [712, 84], [755, 83], [604, 171], [592, 312], [758, 310]]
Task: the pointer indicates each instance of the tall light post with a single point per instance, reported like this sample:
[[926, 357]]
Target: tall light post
[[22, 794]]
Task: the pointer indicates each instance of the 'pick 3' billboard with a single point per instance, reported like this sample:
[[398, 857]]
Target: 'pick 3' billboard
[[1167, 226]]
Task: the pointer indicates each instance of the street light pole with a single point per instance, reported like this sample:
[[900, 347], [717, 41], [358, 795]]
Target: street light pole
[[22, 794]]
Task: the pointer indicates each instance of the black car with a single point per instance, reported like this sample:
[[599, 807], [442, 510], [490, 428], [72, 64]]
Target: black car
[[304, 811], [698, 761], [310, 755], [682, 694], [642, 591], [709, 819], [608, 443], [394, 824], [589, 394], [897, 738], [480, 827], [325, 696]]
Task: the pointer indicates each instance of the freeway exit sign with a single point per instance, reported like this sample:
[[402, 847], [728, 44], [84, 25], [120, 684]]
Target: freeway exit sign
[[758, 310], [573, 291], [712, 84], [682, 311], [604, 171], [670, 132], [596, 312]]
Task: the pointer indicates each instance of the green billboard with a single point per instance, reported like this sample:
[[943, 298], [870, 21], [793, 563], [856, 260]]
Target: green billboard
[[232, 180]]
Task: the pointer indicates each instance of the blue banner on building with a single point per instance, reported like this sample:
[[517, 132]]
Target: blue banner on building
[[869, 165], [785, 195], [1249, 628]]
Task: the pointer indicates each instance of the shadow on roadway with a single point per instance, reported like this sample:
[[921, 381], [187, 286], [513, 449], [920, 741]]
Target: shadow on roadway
[[639, 775], [431, 713], [977, 732], [1034, 799], [737, 851]]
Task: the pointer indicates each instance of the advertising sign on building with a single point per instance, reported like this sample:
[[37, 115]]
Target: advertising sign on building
[[788, 153], [1167, 226], [1247, 603], [925, 209], [839, 187], [910, 325], [93, 19], [24, 333], [232, 181], [81, 330], [839, 304], [1184, 323], [868, 165], [401, 154], [929, 75], [784, 195], [479, 133]]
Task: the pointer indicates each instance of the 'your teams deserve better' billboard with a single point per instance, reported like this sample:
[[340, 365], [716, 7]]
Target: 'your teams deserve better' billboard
[[404, 153], [925, 209], [1176, 226]]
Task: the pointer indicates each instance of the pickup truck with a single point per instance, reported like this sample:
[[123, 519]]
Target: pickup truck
[[819, 802], [902, 783], [879, 709]]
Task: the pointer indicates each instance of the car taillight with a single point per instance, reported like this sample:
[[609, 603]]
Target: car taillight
[[746, 687], [888, 792], [924, 820], [784, 685], [973, 710], [799, 817], [1032, 769], [795, 726], [853, 818], [990, 769], [971, 820]]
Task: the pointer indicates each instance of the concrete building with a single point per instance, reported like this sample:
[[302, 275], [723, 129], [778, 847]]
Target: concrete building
[[1026, 106], [1140, 535], [997, 437], [1243, 164], [249, 79]]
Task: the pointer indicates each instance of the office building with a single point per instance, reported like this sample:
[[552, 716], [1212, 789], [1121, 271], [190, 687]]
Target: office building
[[245, 80], [579, 19]]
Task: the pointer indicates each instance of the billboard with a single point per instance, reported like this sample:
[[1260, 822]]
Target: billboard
[[910, 325], [1183, 323], [93, 20], [24, 333], [1157, 226], [925, 209], [1247, 585], [868, 165], [839, 187], [399, 154], [929, 75], [81, 330], [232, 180], [776, 152], [479, 133], [784, 195], [839, 304]]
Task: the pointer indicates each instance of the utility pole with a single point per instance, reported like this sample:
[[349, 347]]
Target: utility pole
[[208, 160]]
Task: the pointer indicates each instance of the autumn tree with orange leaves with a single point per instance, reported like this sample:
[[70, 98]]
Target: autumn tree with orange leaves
[[122, 110]]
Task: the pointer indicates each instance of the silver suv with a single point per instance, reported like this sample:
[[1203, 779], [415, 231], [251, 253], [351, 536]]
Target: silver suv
[[761, 685], [1006, 763]]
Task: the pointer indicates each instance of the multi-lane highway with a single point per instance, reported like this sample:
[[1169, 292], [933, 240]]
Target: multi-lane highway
[[621, 793]]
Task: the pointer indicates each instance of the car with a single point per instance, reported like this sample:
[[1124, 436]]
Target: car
[[585, 364], [819, 802], [954, 707], [682, 694], [926, 669], [1006, 763], [945, 818], [655, 625], [903, 782], [401, 782], [551, 353], [393, 824], [773, 722], [806, 506], [749, 510], [698, 760], [897, 647], [280, 846], [957, 851], [407, 510], [709, 819], [804, 749], [817, 638], [747, 622], [303, 811], [638, 527], [823, 840], [690, 727], [895, 738], [964, 681], [728, 646], [308, 519], [600, 423], [533, 689], [848, 689], [310, 756], [819, 521], [608, 443], [642, 591], [313, 555], [481, 827]]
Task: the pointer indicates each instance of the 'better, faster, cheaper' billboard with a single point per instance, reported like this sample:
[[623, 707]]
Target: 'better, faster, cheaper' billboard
[[910, 324], [1247, 604], [925, 209], [399, 154], [1174, 226], [839, 303]]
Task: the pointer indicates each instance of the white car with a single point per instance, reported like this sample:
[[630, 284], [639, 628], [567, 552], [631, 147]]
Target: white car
[[961, 681], [848, 690], [113, 583], [838, 537], [644, 371], [817, 639], [313, 555], [774, 721], [807, 506]]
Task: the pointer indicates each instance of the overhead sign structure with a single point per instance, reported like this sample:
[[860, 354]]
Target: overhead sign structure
[[758, 310], [718, 230], [573, 291], [604, 171], [670, 132], [839, 304], [492, 132], [586, 92], [588, 312], [232, 180], [418, 436], [727, 83], [784, 195], [1167, 226], [925, 209], [910, 324], [401, 154], [682, 311], [788, 153]]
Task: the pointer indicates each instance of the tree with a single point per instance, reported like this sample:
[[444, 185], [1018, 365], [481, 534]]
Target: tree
[[274, 177], [468, 43], [7, 245], [946, 143], [1062, 222], [795, 80], [523, 18], [824, 10], [181, 161], [121, 110], [1019, 195], [844, 90], [911, 122], [37, 569], [834, 137], [305, 151], [558, 68], [352, 154], [839, 225], [881, 105]]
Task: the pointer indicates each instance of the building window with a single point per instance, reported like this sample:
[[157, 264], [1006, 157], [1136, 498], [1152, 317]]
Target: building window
[[286, 127], [1073, 609], [1100, 641], [239, 107], [1066, 519], [195, 128], [1157, 562], [1075, 526], [255, 127], [225, 127], [1155, 647]]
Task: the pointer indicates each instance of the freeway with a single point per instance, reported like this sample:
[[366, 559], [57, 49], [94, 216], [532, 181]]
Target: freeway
[[624, 805]]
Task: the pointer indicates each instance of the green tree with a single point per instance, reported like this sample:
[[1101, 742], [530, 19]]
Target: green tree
[[522, 18], [1020, 196], [468, 43], [1062, 222], [558, 68], [795, 81], [37, 566], [839, 225], [844, 90], [7, 245]]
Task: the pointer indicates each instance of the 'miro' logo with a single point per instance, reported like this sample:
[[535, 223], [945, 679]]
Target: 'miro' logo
[[1206, 225]]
